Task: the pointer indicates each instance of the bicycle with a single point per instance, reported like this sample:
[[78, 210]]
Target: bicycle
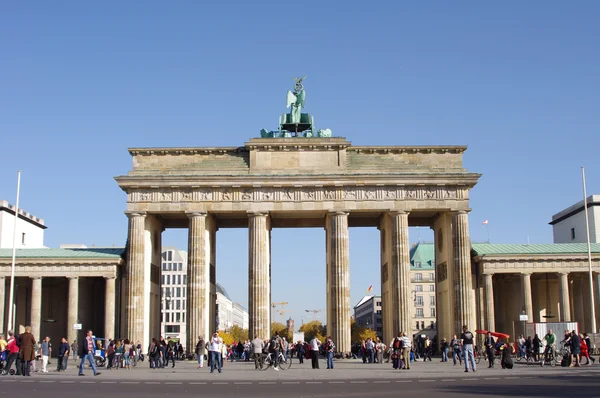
[[551, 357], [268, 361]]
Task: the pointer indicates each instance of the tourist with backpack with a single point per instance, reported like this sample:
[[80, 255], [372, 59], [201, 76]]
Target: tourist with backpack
[[274, 346], [396, 345], [329, 350]]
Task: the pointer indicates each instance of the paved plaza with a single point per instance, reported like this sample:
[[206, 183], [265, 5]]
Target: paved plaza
[[349, 378]]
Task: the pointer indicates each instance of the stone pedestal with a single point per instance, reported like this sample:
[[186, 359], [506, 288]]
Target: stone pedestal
[[338, 281], [489, 302], [134, 322], [109, 309], [259, 271], [36, 307], [565, 306], [2, 303], [526, 287], [198, 281], [73, 309], [464, 296]]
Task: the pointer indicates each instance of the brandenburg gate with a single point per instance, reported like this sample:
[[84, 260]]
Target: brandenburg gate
[[297, 182]]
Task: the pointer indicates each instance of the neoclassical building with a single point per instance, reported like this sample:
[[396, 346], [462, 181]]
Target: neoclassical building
[[288, 183]]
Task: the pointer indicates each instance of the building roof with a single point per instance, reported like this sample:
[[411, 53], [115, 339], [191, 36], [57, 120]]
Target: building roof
[[89, 252], [363, 300], [422, 256], [221, 289], [592, 200], [482, 249]]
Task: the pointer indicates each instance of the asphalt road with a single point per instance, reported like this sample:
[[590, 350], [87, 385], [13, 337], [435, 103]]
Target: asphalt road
[[580, 385]]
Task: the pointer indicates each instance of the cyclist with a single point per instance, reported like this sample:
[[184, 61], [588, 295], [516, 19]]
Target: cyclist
[[274, 346], [550, 339]]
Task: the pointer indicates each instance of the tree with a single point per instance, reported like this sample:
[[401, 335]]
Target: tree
[[314, 329], [282, 329], [238, 333], [359, 333], [227, 337]]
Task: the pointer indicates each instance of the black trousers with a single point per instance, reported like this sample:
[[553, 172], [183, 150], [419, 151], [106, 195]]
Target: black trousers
[[9, 361], [314, 356], [490, 355]]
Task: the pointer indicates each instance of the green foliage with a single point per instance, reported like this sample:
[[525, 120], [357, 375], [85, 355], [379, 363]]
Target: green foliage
[[227, 337], [314, 329], [238, 333], [358, 333], [282, 329]]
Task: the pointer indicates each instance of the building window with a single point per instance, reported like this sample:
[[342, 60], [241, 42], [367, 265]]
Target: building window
[[419, 314], [432, 276], [419, 288], [178, 317], [417, 264], [432, 325], [164, 266], [418, 276], [162, 278], [379, 311], [432, 288], [177, 304], [178, 292], [170, 255], [379, 303], [183, 292], [183, 317], [180, 266], [419, 301], [572, 233], [416, 327], [168, 279], [432, 313], [431, 300], [23, 238], [179, 279], [422, 324], [184, 279]]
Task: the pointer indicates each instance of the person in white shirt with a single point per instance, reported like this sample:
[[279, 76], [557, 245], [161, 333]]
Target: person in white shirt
[[215, 352], [314, 352]]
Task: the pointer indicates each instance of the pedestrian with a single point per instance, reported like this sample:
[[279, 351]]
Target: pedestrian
[[300, 351], [537, 343], [489, 349], [380, 348], [456, 354], [74, 350], [200, 351], [110, 354], [275, 345], [215, 352], [329, 351], [314, 352], [588, 344], [27, 350], [444, 347], [45, 352], [467, 348], [576, 349], [396, 353], [63, 355], [257, 348], [406, 348], [427, 349], [12, 353], [87, 352]]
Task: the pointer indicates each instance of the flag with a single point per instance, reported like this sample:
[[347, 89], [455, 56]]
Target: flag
[[369, 289], [485, 222]]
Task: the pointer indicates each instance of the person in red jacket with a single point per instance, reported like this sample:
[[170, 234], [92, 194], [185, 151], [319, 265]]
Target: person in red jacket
[[584, 349], [12, 352]]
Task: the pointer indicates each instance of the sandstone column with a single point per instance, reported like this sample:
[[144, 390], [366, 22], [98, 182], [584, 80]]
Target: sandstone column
[[198, 281], [597, 296], [489, 301], [36, 307], [464, 298], [133, 325], [259, 264], [73, 308], [2, 303], [338, 281], [526, 286], [402, 301], [109, 308], [565, 306]]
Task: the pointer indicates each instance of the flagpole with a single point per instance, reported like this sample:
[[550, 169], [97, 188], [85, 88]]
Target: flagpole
[[14, 255], [589, 249]]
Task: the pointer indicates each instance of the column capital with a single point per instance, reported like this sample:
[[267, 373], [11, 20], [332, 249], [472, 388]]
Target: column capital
[[488, 273], [35, 277], [565, 273], [338, 213], [110, 277], [131, 213], [252, 213], [73, 277], [526, 273], [460, 212], [196, 213], [395, 212]]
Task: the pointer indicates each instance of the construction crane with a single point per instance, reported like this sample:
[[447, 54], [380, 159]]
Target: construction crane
[[314, 312], [281, 310]]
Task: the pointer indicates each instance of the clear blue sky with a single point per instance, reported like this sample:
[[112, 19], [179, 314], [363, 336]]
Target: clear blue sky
[[80, 82]]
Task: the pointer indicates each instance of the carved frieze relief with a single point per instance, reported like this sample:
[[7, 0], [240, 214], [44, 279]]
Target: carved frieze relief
[[297, 193]]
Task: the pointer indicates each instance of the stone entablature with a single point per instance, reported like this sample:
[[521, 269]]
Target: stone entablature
[[46, 270], [537, 264]]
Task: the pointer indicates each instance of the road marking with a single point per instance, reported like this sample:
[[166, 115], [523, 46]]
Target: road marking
[[27, 381], [219, 382], [425, 381], [382, 381], [266, 382], [290, 382], [108, 382], [448, 379], [470, 379], [337, 382], [404, 381], [47, 381], [87, 382], [491, 378], [129, 382], [360, 382], [176, 382], [152, 382], [67, 382], [314, 382], [242, 382], [197, 382], [511, 378]]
